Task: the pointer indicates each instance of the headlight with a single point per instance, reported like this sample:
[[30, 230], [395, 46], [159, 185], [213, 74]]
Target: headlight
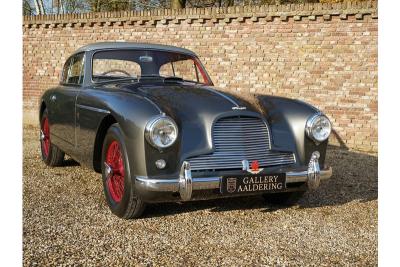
[[318, 127], [161, 131]]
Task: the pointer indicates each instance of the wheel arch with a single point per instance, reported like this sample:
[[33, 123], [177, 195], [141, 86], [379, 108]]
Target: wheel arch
[[98, 144], [41, 110]]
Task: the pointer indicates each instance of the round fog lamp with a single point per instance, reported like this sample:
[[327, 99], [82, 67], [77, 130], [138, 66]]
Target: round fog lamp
[[160, 164]]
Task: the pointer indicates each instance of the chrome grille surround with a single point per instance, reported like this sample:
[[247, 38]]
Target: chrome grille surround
[[240, 138]]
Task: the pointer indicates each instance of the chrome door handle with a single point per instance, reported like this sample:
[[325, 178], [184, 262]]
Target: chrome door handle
[[53, 98]]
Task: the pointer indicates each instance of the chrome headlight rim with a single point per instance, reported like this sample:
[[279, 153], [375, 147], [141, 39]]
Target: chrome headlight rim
[[310, 124], [149, 131]]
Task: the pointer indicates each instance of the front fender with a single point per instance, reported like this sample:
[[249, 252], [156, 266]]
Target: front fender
[[130, 111], [287, 119]]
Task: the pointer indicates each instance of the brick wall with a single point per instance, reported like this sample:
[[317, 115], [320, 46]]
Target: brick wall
[[325, 54]]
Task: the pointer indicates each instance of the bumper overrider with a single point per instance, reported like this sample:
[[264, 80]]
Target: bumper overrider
[[185, 184]]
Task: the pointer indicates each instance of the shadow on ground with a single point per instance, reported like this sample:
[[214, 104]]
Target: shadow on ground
[[69, 162], [355, 178]]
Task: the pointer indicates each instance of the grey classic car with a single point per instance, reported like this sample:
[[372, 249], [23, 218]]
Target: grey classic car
[[148, 118]]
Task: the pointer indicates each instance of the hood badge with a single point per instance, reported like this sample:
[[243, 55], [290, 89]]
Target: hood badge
[[254, 168], [238, 108]]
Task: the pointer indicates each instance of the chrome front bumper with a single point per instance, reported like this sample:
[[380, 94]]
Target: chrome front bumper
[[185, 184]]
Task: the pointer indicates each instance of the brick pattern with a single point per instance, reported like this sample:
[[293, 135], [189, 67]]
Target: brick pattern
[[324, 54]]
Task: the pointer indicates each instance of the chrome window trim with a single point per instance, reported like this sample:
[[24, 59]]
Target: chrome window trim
[[192, 56], [81, 77]]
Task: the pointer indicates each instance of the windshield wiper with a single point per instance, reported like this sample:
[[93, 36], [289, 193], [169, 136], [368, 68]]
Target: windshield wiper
[[167, 79], [149, 76], [161, 77], [155, 76], [117, 80]]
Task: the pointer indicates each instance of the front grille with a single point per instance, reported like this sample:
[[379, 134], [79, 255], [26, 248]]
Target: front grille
[[239, 138]]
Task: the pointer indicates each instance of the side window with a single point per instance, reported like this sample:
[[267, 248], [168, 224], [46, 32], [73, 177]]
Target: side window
[[65, 70], [73, 70]]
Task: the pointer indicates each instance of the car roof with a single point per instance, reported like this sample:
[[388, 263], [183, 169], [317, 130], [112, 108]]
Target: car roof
[[131, 45]]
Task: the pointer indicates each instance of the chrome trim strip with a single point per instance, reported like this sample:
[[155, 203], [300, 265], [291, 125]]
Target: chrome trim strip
[[185, 184], [172, 185], [222, 95], [206, 183], [157, 185], [93, 108], [203, 183], [314, 171], [296, 177]]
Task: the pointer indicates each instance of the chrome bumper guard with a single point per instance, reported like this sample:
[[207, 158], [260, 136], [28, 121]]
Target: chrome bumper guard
[[185, 184]]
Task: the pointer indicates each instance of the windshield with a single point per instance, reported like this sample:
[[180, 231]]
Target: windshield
[[113, 65]]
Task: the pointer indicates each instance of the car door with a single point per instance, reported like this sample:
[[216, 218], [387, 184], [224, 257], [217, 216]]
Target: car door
[[63, 102]]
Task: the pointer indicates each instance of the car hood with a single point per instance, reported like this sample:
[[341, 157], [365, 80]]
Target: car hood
[[194, 108], [186, 101]]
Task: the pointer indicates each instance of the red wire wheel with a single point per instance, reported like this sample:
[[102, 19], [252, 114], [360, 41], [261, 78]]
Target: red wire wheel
[[116, 179], [45, 137]]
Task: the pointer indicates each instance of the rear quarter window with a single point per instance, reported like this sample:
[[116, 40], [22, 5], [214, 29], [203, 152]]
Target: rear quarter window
[[73, 70]]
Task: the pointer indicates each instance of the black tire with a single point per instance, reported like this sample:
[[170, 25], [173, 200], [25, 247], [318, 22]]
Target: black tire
[[284, 199], [129, 205], [51, 154]]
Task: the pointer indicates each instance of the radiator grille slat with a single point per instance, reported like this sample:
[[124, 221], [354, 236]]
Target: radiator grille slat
[[239, 138]]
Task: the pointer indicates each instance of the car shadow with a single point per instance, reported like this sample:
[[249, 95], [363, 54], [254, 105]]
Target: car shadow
[[69, 162], [355, 178]]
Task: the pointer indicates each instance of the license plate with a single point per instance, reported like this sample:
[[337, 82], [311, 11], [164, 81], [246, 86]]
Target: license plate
[[238, 184]]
